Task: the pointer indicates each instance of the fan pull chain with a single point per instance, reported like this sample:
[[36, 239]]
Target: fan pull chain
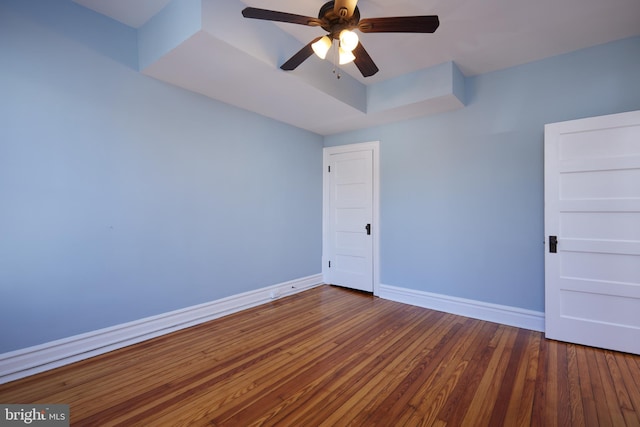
[[336, 69]]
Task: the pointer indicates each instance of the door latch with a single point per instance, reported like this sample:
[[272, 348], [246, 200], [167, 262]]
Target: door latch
[[368, 228], [553, 244]]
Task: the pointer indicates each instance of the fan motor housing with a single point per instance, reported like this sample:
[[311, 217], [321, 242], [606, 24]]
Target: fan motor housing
[[334, 23]]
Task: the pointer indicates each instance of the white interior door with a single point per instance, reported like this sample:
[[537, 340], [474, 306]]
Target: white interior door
[[592, 207], [349, 220]]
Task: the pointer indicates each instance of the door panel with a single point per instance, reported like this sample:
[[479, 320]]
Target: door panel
[[349, 250], [592, 204]]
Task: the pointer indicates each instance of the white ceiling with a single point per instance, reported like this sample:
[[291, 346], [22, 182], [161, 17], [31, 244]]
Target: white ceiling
[[479, 36]]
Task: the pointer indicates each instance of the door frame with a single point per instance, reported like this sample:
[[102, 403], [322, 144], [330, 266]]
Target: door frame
[[374, 147]]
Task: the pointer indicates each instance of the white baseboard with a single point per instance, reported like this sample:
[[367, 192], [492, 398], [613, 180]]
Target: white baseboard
[[506, 315], [24, 362]]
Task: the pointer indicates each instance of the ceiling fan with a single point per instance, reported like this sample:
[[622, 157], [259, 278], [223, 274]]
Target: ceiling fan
[[339, 18]]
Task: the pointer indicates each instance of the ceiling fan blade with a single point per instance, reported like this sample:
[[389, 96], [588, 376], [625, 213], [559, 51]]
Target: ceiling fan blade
[[299, 57], [400, 24], [344, 8], [272, 15], [364, 62]]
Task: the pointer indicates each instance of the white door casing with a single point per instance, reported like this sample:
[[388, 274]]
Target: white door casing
[[592, 205], [350, 191]]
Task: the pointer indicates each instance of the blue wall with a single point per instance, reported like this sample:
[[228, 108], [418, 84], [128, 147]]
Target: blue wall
[[462, 192], [122, 197]]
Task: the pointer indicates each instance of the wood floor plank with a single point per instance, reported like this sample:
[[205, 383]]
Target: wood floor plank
[[379, 380], [621, 390], [339, 402], [432, 395], [605, 415], [388, 380], [508, 386], [457, 405], [633, 386], [313, 372], [552, 411], [388, 346], [587, 378], [237, 365], [485, 398], [398, 398], [332, 357], [614, 406], [507, 402], [527, 396], [564, 408], [573, 384], [543, 414]]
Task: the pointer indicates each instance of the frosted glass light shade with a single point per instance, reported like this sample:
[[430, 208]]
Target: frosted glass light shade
[[345, 56], [322, 46], [348, 40]]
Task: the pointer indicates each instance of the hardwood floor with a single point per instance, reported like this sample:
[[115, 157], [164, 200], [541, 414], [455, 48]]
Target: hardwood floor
[[330, 356]]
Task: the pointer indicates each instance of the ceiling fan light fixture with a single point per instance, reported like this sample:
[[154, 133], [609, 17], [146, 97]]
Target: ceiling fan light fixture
[[322, 46], [335, 17], [345, 56], [348, 40]]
